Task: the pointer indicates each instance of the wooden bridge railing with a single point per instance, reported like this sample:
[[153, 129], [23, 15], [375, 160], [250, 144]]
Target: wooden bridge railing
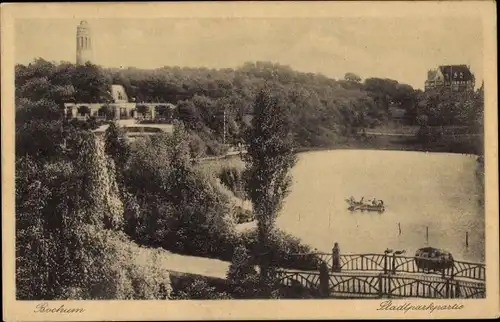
[[352, 285], [386, 263]]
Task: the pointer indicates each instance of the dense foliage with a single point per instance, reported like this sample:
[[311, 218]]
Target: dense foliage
[[69, 244], [323, 110], [69, 211], [199, 289], [232, 178], [180, 209]]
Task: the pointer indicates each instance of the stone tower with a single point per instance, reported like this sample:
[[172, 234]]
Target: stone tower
[[83, 44]]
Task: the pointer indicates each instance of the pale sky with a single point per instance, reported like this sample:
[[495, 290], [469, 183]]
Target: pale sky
[[403, 49]]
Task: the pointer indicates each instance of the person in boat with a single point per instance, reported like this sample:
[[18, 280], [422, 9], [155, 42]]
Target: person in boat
[[362, 200], [370, 202]]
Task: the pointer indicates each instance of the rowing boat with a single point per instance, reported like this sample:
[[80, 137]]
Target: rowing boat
[[356, 205]]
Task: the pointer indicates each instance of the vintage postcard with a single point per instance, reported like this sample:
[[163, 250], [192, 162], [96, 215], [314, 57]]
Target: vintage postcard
[[249, 160]]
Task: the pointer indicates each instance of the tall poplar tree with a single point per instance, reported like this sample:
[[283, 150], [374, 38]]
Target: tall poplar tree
[[269, 158]]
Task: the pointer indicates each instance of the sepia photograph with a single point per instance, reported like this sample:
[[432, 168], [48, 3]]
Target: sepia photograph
[[226, 157]]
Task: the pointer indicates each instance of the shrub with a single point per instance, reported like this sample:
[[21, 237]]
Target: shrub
[[281, 246], [242, 275], [197, 147], [199, 289], [199, 222], [180, 208], [232, 178], [127, 272], [68, 244], [140, 276], [63, 249], [216, 148]]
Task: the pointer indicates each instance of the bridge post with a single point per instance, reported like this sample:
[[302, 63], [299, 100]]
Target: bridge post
[[388, 289], [457, 289], [323, 280], [380, 286]]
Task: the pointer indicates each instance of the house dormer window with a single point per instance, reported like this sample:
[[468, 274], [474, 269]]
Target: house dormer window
[[455, 75]]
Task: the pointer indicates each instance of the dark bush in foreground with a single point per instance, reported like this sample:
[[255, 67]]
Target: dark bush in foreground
[[244, 281], [242, 275], [282, 246], [69, 243], [191, 287]]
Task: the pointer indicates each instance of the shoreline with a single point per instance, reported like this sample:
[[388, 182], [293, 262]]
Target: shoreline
[[394, 142], [356, 144], [305, 150], [390, 143]]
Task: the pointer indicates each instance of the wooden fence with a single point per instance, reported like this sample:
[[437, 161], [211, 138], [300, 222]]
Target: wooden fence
[[352, 285], [386, 263]]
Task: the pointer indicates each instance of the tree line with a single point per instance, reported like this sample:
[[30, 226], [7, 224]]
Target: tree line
[[323, 109]]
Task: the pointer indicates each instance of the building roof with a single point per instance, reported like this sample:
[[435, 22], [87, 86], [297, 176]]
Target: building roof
[[456, 72], [118, 93]]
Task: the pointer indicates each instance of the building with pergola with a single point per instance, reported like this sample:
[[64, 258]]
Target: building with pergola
[[121, 107]]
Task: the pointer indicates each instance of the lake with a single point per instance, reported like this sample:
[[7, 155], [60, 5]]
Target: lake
[[434, 190]]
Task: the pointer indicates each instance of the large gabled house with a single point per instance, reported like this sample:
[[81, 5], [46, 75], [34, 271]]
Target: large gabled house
[[454, 77]]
